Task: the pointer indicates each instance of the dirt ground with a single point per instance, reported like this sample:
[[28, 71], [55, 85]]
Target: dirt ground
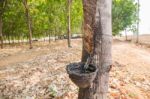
[[40, 73]]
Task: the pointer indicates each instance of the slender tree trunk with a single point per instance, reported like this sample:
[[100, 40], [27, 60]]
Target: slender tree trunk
[[2, 10], [1, 32], [69, 23], [126, 35], [18, 39], [55, 34], [13, 40], [49, 37], [22, 40], [138, 12], [10, 33], [8, 38], [44, 39], [97, 39], [28, 22]]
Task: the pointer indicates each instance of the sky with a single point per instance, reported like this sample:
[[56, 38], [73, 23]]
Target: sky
[[144, 27]]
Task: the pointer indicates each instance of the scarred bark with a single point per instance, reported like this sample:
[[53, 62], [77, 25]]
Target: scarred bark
[[97, 41], [89, 9]]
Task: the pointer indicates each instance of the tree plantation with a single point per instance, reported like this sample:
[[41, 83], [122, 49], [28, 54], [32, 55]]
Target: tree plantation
[[34, 19], [43, 18]]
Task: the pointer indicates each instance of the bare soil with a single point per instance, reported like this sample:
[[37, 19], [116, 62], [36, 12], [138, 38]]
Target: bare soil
[[40, 73]]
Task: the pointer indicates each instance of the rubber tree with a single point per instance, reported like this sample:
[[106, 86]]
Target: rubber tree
[[126, 34], [97, 40], [69, 22], [28, 18], [2, 6], [138, 14], [1, 33]]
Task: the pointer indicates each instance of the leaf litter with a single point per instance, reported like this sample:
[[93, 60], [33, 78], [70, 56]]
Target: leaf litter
[[44, 76]]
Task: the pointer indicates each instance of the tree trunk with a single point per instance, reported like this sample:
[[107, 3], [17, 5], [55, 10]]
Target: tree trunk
[[97, 40], [18, 39], [1, 32], [44, 39], [126, 35], [3, 4], [8, 38], [28, 22], [69, 23], [13, 40], [49, 37], [55, 33], [22, 40], [138, 12]]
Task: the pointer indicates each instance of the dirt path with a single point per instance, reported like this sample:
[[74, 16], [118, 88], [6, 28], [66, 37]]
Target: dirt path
[[136, 60], [136, 70]]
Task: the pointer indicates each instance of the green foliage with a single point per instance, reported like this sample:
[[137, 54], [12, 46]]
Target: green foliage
[[76, 16], [14, 23], [49, 17], [124, 15]]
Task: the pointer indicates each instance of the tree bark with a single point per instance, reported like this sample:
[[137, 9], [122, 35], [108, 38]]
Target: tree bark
[[49, 37], [126, 35], [55, 33], [8, 38], [97, 40], [13, 40], [69, 23], [28, 22], [1, 32], [22, 40], [138, 12]]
